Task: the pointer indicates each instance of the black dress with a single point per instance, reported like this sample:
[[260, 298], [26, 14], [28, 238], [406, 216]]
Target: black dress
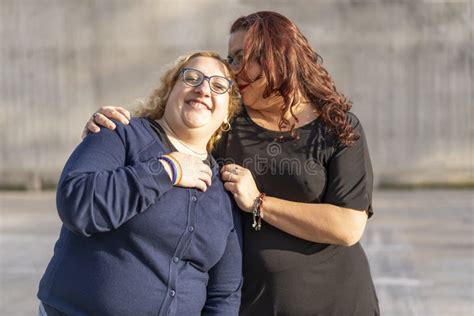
[[283, 274]]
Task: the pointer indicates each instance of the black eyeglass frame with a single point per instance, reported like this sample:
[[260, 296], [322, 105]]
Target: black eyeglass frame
[[208, 78]]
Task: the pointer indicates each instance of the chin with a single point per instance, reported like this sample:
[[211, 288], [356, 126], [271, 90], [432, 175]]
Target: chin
[[249, 101], [250, 105], [194, 125], [196, 121]]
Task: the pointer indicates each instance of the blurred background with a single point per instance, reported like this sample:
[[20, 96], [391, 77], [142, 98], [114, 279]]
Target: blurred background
[[406, 65]]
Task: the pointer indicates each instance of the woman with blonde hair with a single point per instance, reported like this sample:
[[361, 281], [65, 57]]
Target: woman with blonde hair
[[148, 228]]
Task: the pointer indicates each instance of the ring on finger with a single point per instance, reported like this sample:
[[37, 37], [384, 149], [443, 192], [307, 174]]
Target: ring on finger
[[94, 116], [234, 171]]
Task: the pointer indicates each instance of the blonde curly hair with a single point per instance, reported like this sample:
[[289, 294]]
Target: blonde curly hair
[[154, 106]]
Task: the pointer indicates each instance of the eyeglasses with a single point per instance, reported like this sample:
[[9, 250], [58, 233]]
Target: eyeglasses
[[194, 78], [236, 61]]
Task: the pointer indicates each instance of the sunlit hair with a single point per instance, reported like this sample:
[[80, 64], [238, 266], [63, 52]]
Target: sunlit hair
[[155, 105], [293, 70]]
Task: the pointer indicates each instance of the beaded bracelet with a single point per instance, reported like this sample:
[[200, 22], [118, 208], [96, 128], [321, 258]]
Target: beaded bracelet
[[176, 170], [257, 212]]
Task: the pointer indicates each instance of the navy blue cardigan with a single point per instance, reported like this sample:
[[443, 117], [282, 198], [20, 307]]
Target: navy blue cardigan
[[131, 243]]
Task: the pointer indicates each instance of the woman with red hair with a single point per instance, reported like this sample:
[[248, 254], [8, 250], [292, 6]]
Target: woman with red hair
[[297, 164]]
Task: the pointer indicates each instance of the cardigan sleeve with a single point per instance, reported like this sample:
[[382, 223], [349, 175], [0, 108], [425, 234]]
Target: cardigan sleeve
[[225, 278], [101, 188]]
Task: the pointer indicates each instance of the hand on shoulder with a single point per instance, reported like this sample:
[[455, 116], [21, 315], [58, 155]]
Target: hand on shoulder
[[103, 117]]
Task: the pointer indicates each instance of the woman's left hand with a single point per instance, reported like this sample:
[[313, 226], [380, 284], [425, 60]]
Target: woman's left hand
[[240, 182]]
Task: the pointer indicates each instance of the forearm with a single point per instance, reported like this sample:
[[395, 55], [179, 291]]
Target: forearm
[[99, 201], [322, 223], [100, 189]]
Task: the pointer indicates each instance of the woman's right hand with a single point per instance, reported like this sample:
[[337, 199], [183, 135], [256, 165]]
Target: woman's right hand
[[103, 116], [195, 173]]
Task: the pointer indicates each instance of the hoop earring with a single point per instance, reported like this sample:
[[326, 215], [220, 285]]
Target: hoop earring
[[226, 128]]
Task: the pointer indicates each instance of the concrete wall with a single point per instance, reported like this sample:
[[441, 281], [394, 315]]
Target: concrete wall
[[406, 65]]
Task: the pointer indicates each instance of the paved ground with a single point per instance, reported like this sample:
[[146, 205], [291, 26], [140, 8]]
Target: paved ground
[[420, 245]]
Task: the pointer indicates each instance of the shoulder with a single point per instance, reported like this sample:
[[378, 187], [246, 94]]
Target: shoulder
[[358, 130], [353, 120], [137, 125], [135, 137], [356, 124], [138, 129]]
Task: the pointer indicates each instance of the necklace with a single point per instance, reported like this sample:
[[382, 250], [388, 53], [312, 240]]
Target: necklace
[[175, 140], [190, 149]]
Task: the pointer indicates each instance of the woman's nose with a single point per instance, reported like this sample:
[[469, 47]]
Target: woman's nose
[[204, 88]]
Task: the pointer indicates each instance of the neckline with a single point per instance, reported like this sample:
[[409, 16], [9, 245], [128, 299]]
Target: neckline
[[155, 124], [303, 127], [169, 144]]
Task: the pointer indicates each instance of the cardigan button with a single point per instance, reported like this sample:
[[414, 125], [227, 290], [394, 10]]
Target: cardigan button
[[194, 199], [172, 293], [191, 228]]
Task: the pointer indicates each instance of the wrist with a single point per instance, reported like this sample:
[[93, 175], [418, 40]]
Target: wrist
[[174, 166], [167, 168]]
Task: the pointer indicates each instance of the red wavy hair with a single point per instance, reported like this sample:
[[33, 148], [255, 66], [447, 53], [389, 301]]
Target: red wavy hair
[[293, 68]]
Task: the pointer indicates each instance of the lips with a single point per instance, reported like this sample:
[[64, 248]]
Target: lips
[[243, 86], [199, 104]]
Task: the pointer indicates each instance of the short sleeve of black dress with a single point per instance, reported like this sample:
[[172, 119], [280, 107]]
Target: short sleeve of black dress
[[349, 174]]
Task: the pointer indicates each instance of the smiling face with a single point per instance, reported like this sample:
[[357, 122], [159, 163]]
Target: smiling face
[[197, 109], [253, 87]]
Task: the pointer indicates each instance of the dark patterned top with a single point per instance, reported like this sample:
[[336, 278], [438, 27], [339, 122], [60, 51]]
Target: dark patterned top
[[283, 274]]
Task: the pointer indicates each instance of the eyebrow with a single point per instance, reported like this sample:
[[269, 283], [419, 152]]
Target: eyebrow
[[223, 75]]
